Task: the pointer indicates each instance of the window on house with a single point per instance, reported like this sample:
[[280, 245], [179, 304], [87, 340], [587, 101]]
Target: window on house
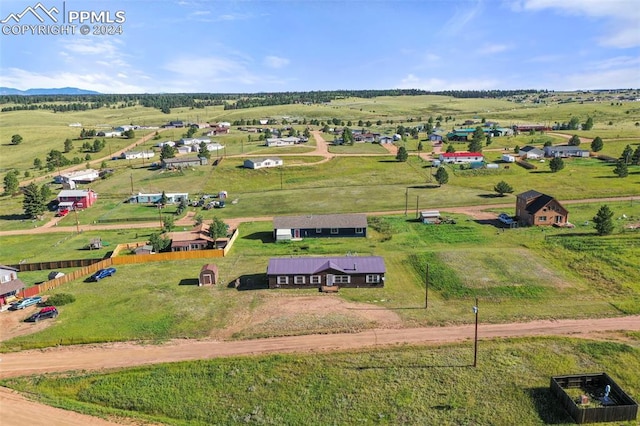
[[318, 230], [298, 279], [373, 278], [359, 230], [334, 230], [342, 279], [283, 279], [542, 218], [315, 279]]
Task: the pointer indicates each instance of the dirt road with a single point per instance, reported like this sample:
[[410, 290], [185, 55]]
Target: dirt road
[[119, 355]]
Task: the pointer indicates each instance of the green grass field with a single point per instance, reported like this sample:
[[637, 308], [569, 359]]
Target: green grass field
[[409, 385]]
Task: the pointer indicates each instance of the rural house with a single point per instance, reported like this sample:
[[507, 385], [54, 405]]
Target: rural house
[[208, 275], [80, 176], [177, 163], [134, 155], [318, 226], [565, 151], [77, 198], [196, 239], [291, 140], [259, 163], [10, 285], [530, 152], [316, 272], [461, 157], [155, 197], [534, 209]]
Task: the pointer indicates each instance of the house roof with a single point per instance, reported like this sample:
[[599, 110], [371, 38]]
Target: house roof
[[8, 268], [11, 286], [461, 154], [199, 233], [321, 221], [539, 203], [529, 194], [315, 265], [564, 148], [179, 160], [260, 160], [74, 193], [530, 148]]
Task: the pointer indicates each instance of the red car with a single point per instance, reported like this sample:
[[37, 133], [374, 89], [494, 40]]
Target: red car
[[62, 212]]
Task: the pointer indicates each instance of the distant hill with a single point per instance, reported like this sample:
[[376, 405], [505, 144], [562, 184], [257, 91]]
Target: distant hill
[[59, 91]]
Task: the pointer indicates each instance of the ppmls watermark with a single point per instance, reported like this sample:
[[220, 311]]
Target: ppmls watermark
[[40, 20]]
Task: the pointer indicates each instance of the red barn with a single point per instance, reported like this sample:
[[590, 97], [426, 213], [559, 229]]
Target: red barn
[[77, 198]]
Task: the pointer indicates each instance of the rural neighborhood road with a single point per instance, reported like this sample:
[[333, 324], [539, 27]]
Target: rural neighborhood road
[[16, 410]]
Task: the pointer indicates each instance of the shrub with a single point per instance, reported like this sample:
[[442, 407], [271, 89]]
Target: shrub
[[60, 299]]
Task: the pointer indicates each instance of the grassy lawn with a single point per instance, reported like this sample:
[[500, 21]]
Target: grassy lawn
[[407, 385], [550, 273]]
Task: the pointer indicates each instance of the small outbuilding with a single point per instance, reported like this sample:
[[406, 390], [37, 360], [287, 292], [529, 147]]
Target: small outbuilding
[[55, 274], [208, 275]]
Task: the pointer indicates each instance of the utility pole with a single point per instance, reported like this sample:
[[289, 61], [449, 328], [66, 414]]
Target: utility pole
[[426, 289], [406, 201], [417, 206], [475, 340], [77, 222], [280, 177], [131, 178]]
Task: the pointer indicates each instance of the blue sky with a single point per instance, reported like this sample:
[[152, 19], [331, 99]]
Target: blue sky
[[229, 46]]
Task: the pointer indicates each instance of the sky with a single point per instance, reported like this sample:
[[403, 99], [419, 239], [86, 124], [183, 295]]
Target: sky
[[250, 46]]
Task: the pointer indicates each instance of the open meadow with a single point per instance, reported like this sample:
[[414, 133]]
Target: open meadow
[[408, 385]]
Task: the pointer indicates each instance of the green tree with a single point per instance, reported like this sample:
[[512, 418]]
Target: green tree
[[33, 203], [68, 145], [37, 163], [604, 220], [450, 149], [502, 188], [103, 165], [167, 151], [420, 146], [198, 219], [46, 193], [203, 151], [217, 229], [627, 154], [130, 134], [347, 136], [574, 123], [11, 183], [163, 199], [158, 242], [597, 144], [402, 154], [621, 169], [477, 139], [516, 149], [168, 223], [16, 140], [588, 125], [556, 164], [575, 140], [442, 177], [306, 133], [635, 158]]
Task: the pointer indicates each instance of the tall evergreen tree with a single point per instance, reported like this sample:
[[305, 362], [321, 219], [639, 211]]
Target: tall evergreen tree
[[502, 188], [621, 169], [556, 164], [442, 177], [11, 183], [402, 154], [33, 203], [597, 144], [604, 220], [477, 138], [627, 154], [575, 140], [635, 158]]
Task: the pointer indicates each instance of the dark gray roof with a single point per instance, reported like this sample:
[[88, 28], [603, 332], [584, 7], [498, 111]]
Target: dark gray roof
[[529, 194], [321, 221], [564, 148], [315, 265], [11, 286], [530, 148]]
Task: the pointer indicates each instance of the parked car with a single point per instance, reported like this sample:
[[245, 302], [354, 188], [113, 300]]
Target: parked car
[[48, 312], [102, 273], [505, 218], [27, 301], [62, 212]]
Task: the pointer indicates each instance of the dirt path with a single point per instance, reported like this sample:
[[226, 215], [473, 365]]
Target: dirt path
[[120, 355]]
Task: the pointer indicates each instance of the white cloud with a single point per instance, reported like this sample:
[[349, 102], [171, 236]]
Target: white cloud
[[276, 62], [611, 79], [411, 81], [622, 15], [465, 13], [98, 81], [491, 49], [92, 46]]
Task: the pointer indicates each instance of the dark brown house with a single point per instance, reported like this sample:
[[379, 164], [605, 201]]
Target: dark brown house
[[316, 272], [208, 275], [536, 209]]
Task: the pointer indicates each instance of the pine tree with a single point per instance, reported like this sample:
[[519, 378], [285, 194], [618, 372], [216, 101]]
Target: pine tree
[[442, 177], [575, 140], [635, 158], [597, 144], [621, 169], [476, 140], [402, 154], [626, 154], [604, 221], [33, 203], [502, 188], [556, 164], [11, 183]]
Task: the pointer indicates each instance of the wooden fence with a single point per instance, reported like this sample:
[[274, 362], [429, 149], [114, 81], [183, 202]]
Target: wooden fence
[[89, 266]]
